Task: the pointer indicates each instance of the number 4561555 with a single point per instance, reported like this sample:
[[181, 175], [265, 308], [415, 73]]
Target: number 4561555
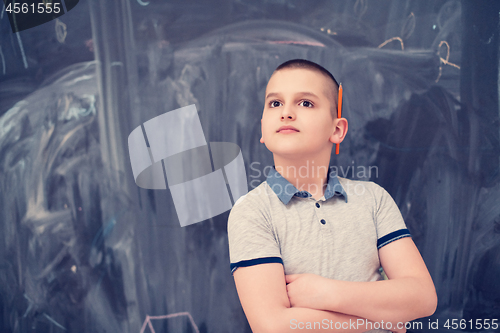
[[470, 324], [25, 8]]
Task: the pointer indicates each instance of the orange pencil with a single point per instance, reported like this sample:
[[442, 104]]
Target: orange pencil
[[339, 113]]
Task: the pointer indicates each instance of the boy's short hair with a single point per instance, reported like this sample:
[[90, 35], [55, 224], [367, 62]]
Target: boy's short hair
[[307, 64]]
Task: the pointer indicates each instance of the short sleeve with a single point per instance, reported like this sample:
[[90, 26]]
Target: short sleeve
[[251, 238], [388, 219]]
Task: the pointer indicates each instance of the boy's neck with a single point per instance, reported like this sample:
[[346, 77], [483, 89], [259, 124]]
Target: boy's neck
[[305, 175]]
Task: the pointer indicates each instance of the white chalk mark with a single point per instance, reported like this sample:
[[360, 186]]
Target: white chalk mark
[[147, 322], [20, 42], [70, 111], [61, 31], [81, 78], [3, 60], [54, 322], [29, 306], [297, 42], [360, 7], [408, 27], [390, 40], [142, 3]]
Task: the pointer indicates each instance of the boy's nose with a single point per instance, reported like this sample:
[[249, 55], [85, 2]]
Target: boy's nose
[[287, 112]]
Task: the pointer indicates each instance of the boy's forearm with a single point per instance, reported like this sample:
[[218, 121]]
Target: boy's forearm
[[398, 300]]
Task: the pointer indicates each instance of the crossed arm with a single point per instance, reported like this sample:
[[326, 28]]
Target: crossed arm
[[272, 305]]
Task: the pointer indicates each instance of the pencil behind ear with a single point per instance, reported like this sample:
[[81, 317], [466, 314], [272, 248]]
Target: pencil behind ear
[[339, 113]]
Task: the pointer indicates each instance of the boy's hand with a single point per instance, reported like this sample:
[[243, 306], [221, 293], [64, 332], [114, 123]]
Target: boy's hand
[[314, 292], [307, 290]]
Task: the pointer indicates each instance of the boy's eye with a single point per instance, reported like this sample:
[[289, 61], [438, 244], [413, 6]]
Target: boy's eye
[[307, 104], [274, 104]]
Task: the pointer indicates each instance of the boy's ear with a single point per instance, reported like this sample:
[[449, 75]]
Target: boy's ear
[[340, 131]]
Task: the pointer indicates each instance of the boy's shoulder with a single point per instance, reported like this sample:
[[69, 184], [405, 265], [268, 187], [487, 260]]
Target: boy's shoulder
[[253, 207], [365, 193], [257, 197], [360, 187]]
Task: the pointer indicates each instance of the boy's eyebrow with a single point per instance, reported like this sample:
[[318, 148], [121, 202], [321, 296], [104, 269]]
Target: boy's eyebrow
[[305, 93]]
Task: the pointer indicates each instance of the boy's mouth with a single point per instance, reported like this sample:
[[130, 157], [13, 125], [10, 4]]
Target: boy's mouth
[[287, 129]]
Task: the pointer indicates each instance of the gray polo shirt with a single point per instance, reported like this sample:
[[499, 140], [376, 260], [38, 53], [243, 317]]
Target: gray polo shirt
[[337, 237]]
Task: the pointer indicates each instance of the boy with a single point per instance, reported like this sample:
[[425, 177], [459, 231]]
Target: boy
[[306, 250]]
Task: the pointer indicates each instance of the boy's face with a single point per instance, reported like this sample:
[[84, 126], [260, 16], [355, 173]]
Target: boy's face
[[301, 98]]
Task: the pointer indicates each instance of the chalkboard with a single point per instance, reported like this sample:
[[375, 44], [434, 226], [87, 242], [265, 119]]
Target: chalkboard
[[83, 248]]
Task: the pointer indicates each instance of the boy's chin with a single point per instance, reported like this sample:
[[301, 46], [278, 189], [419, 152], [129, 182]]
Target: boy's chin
[[291, 154]]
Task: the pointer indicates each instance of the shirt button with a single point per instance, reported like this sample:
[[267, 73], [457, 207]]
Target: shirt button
[[317, 204], [323, 221]]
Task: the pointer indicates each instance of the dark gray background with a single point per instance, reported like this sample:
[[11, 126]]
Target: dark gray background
[[83, 249]]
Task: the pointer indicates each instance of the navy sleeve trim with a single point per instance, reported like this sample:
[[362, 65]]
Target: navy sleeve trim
[[252, 262], [398, 234]]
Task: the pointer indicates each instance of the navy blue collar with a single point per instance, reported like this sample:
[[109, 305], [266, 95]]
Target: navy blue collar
[[285, 190]]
